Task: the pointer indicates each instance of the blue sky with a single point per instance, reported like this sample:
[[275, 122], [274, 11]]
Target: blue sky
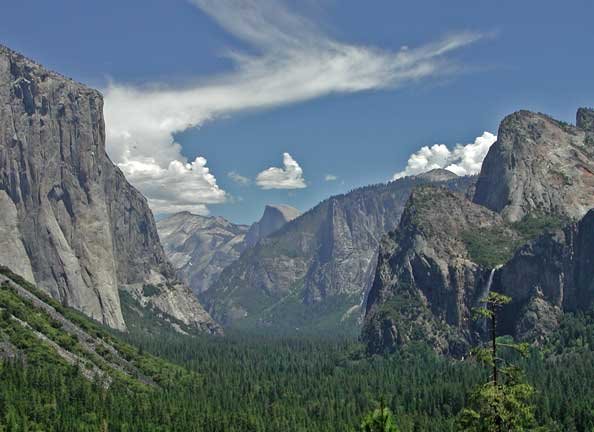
[[241, 82]]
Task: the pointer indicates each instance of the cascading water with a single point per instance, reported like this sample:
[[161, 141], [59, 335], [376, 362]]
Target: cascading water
[[484, 293], [487, 287]]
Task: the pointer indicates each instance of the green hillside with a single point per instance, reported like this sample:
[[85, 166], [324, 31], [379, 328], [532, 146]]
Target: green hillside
[[62, 372]]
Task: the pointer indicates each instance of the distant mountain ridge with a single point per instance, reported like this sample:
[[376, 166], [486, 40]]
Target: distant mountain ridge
[[200, 247], [314, 272], [71, 223], [273, 219]]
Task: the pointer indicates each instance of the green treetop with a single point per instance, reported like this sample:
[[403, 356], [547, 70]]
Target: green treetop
[[503, 403]]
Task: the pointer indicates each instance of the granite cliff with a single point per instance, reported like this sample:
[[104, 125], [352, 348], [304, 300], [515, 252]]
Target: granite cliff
[[539, 165], [315, 271], [200, 247], [428, 279], [273, 219], [71, 223], [547, 277], [525, 235]]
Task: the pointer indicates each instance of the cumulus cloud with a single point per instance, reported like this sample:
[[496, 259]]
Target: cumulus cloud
[[238, 178], [330, 177], [188, 180], [464, 159], [288, 177], [288, 60]]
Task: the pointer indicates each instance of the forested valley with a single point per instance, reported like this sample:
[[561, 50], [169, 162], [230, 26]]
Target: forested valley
[[256, 383]]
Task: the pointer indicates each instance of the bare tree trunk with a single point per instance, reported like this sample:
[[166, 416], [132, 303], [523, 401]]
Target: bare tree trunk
[[498, 422], [494, 345]]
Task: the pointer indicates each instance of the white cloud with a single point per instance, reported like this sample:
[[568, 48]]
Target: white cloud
[[463, 160], [330, 177], [238, 178], [289, 60], [186, 180], [288, 177]]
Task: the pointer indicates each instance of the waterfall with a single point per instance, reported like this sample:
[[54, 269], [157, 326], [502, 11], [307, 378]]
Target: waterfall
[[485, 292], [487, 287]]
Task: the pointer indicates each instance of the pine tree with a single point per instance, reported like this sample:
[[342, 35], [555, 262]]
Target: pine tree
[[379, 420], [503, 403]]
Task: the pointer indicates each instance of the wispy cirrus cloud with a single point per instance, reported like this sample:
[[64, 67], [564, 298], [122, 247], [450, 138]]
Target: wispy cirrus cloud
[[290, 176], [290, 60]]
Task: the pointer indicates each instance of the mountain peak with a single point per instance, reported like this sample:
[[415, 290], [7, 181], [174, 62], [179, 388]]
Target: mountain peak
[[274, 218], [288, 213], [200, 247], [437, 175], [533, 155]]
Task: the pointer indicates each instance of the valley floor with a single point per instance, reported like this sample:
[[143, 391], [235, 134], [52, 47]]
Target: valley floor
[[244, 382]]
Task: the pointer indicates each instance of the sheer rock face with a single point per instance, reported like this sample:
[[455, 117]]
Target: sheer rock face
[[12, 248], [548, 276], [316, 270], [86, 232], [201, 247], [273, 219], [428, 275], [539, 165], [426, 282]]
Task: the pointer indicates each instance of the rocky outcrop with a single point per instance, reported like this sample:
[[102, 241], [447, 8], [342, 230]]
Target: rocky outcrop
[[546, 277], [200, 247], [539, 165], [428, 279], [585, 119], [314, 273], [273, 219], [86, 231], [448, 253]]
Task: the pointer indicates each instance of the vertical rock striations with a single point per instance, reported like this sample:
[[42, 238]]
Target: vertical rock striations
[[85, 231]]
